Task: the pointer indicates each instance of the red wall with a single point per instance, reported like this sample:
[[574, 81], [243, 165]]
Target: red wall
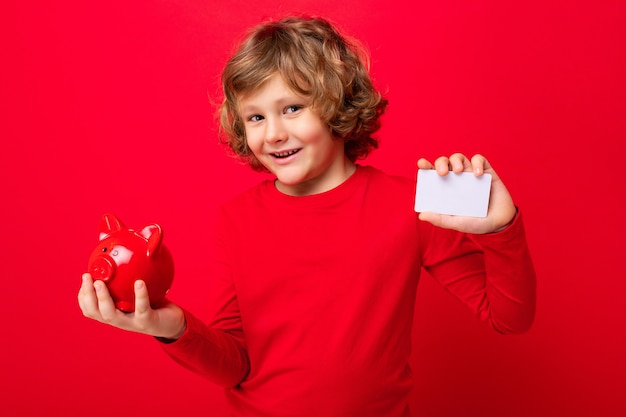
[[104, 107]]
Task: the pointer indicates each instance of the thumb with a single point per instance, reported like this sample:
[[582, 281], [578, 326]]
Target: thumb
[[434, 218], [458, 223], [142, 299]]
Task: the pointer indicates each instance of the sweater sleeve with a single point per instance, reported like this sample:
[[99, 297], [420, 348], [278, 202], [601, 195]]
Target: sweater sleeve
[[215, 348], [492, 274], [213, 353]]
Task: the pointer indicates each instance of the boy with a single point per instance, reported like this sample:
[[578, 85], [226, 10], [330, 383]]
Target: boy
[[313, 278]]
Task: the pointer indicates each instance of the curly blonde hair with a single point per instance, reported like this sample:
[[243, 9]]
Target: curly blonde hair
[[317, 62]]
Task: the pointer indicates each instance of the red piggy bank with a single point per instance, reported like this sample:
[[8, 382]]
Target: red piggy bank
[[124, 255]]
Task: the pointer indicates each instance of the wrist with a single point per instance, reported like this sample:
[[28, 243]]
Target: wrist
[[506, 225], [177, 332], [182, 330]]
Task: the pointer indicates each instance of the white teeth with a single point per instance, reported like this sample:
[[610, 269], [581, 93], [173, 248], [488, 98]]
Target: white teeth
[[284, 154]]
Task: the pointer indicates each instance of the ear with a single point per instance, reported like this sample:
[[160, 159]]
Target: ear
[[108, 223], [154, 234]]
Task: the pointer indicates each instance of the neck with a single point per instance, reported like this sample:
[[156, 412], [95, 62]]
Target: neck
[[326, 182]]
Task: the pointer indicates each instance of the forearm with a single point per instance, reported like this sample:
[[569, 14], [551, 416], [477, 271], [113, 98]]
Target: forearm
[[492, 274], [214, 353], [510, 284]]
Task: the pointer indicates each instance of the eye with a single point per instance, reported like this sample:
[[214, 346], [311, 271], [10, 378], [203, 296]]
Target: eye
[[293, 109], [104, 249], [255, 118]]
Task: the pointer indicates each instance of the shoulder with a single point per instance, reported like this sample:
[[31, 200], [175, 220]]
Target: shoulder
[[377, 177], [387, 191], [251, 193], [246, 199]]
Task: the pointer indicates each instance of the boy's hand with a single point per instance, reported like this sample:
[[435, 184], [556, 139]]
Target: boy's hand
[[96, 303], [501, 208]]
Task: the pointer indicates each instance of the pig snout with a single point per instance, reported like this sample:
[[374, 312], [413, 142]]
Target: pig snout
[[102, 269]]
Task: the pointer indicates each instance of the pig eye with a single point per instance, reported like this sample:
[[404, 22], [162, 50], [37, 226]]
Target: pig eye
[[104, 249]]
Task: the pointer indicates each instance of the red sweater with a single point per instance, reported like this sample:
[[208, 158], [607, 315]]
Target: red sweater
[[311, 298]]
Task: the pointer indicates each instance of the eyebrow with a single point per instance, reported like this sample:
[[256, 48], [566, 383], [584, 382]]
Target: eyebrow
[[283, 101]]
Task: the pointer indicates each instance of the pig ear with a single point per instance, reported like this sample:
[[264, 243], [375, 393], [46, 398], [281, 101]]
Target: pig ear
[[108, 223], [154, 234]]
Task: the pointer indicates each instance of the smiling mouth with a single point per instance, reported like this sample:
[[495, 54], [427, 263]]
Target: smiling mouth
[[281, 155]]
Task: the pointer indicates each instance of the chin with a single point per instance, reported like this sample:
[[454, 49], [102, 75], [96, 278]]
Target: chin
[[289, 176], [290, 181]]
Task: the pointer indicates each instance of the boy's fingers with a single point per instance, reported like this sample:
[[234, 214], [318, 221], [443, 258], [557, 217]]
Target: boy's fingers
[[85, 287], [459, 162], [105, 302], [87, 300], [479, 164], [442, 165], [423, 163]]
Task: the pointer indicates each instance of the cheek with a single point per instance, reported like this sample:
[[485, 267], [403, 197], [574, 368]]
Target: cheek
[[252, 139], [314, 132]]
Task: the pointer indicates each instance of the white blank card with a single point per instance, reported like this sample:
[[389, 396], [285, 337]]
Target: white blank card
[[461, 194]]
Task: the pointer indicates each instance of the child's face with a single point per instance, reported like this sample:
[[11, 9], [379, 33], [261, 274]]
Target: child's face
[[288, 137]]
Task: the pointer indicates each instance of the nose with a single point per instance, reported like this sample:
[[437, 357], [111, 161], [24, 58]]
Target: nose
[[276, 130], [102, 268]]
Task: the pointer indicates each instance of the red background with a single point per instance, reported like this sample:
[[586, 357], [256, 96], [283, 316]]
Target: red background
[[105, 108]]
